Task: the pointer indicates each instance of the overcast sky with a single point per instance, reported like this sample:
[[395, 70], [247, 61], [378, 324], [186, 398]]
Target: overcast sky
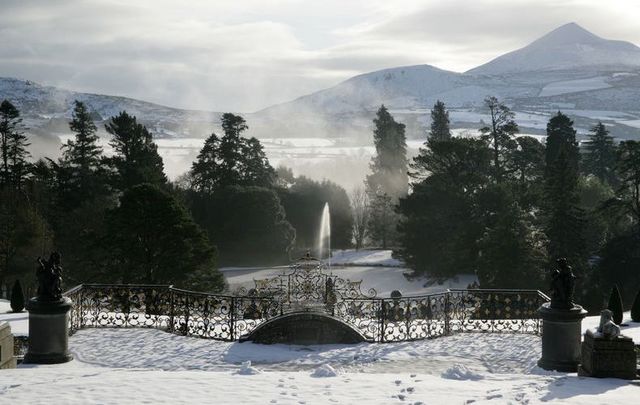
[[244, 55]]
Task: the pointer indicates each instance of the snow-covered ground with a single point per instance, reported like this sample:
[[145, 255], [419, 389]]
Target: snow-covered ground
[[115, 366]]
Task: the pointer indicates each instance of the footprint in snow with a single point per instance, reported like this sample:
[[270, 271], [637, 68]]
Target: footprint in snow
[[398, 382]]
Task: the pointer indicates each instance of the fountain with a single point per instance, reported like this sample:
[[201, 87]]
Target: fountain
[[324, 236]]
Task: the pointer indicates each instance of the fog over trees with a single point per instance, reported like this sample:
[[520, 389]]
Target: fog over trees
[[497, 205]]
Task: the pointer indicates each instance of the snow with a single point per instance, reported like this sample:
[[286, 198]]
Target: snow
[[139, 365], [573, 86], [19, 321]]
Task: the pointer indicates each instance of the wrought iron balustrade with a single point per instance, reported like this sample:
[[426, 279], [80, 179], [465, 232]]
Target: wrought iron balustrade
[[229, 317]]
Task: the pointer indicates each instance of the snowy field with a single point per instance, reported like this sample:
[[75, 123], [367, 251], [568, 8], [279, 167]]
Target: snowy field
[[122, 366]]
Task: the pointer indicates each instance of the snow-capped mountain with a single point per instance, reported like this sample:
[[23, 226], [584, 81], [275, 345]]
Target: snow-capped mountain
[[567, 47], [48, 109], [568, 69]]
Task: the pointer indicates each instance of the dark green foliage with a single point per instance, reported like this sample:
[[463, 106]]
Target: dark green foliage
[[152, 239], [231, 160], [565, 222], [17, 297], [512, 250], [499, 135], [388, 180], [13, 147], [441, 223], [600, 157], [629, 177], [525, 166], [620, 263], [136, 159], [303, 202], [82, 162], [247, 224], [615, 305], [440, 130], [389, 165], [635, 308]]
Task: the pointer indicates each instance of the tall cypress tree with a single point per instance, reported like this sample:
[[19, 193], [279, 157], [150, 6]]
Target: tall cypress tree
[[13, 147], [389, 180], [440, 130], [137, 160], [600, 159], [564, 218]]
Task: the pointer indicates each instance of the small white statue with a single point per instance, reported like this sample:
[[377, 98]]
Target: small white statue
[[608, 329]]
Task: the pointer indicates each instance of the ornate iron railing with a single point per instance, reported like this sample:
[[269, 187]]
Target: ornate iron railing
[[227, 317]]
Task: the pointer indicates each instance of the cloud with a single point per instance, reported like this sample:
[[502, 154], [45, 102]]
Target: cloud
[[245, 55]]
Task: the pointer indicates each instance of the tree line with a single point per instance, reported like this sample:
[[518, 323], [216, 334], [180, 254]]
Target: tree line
[[116, 217]]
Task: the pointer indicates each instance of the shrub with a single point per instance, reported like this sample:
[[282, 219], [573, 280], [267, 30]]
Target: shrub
[[17, 297], [615, 304]]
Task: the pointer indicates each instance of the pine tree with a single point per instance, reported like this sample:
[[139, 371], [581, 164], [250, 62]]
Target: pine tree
[[564, 217], [17, 297], [629, 176], [13, 147], [82, 159], [499, 135], [600, 158], [389, 180], [440, 130], [615, 305], [635, 308], [136, 157], [231, 160]]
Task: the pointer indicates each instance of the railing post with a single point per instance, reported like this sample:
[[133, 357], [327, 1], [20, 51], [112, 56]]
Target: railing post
[[232, 318], [172, 309], [186, 315], [382, 313], [447, 330]]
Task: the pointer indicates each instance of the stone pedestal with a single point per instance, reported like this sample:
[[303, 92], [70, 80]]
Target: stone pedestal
[[603, 357], [561, 336], [7, 359], [48, 331]]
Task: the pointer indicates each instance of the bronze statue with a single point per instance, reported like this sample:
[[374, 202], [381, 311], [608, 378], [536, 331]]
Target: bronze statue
[[562, 285], [49, 275]]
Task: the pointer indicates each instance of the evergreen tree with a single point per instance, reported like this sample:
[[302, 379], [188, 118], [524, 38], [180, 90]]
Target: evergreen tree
[[82, 158], [17, 297], [564, 217], [600, 158], [440, 130], [499, 135], [615, 305], [511, 250], [136, 157], [629, 176], [247, 224], [13, 147], [635, 308], [389, 180], [231, 160], [526, 168], [441, 226], [153, 240]]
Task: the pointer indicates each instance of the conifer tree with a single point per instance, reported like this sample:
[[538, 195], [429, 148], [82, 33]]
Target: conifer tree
[[13, 147], [629, 176], [615, 305], [564, 217], [17, 297], [389, 180], [600, 158], [499, 135], [440, 130], [136, 155], [82, 158]]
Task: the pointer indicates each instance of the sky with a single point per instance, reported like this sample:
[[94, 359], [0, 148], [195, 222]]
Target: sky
[[245, 55]]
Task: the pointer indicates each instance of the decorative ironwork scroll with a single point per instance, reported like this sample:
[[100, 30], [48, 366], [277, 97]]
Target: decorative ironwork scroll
[[227, 317]]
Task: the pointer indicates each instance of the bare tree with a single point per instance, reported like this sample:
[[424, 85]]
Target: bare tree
[[360, 212]]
